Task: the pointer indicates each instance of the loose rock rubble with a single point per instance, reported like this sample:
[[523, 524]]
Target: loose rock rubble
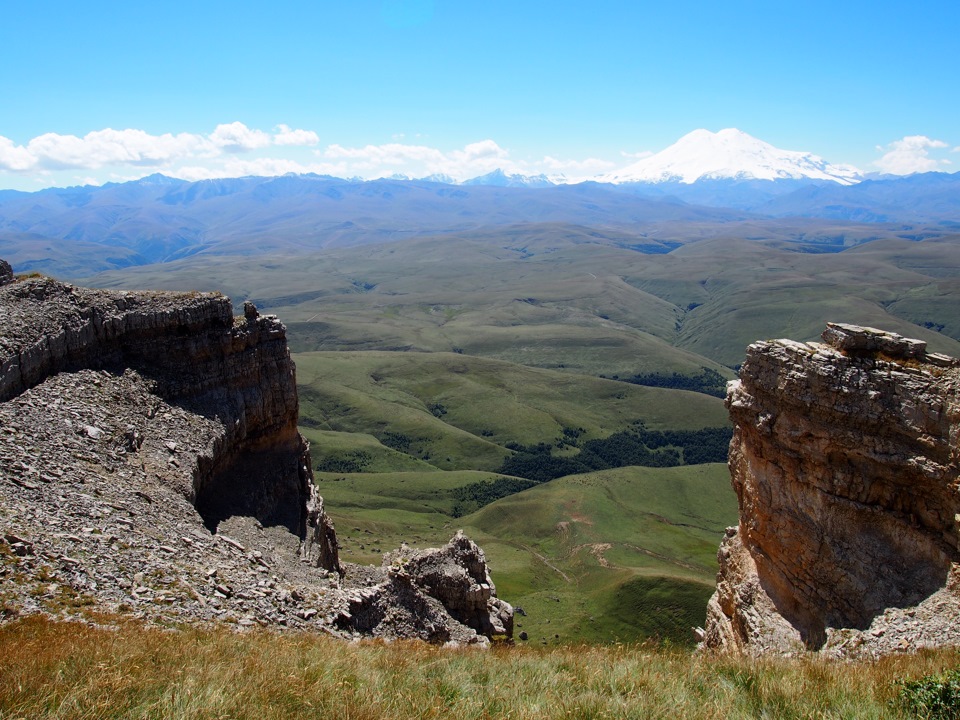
[[845, 462], [150, 465]]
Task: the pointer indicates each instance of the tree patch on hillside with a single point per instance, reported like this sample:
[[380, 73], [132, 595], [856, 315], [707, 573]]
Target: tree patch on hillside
[[350, 462], [635, 446], [474, 496], [707, 381]]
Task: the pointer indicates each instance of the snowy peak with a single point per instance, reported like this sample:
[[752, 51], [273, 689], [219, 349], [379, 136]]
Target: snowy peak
[[730, 154], [498, 178]]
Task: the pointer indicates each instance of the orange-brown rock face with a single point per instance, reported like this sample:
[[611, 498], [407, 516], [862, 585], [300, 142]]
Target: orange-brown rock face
[[845, 463]]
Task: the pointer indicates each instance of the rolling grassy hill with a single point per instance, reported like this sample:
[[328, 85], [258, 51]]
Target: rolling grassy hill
[[554, 296], [420, 361], [407, 447], [458, 412], [424, 363], [622, 554]]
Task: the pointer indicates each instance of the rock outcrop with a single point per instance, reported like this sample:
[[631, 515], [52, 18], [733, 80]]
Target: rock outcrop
[[845, 463], [192, 352], [150, 463], [417, 589]]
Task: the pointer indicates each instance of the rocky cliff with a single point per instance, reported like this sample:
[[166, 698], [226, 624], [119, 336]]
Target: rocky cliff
[[188, 350], [150, 463], [845, 463]]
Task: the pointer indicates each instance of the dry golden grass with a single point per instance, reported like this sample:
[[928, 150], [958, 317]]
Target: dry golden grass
[[71, 670]]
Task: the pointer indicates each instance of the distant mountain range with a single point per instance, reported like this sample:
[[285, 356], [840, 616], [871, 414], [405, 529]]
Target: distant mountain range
[[704, 185], [700, 155]]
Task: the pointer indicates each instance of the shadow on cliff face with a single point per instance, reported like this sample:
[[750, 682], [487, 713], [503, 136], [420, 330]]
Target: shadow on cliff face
[[835, 554], [263, 484], [886, 581]]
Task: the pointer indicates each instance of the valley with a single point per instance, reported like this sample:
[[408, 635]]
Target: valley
[[469, 373]]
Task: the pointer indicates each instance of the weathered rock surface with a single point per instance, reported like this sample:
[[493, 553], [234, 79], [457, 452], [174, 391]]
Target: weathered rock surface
[[457, 576], [150, 464], [845, 463], [192, 352], [415, 593]]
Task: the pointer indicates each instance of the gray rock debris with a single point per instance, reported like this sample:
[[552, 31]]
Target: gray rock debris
[[6, 273], [457, 576]]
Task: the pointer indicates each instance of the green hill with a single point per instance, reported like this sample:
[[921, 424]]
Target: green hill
[[406, 447], [620, 554], [563, 297], [458, 412]]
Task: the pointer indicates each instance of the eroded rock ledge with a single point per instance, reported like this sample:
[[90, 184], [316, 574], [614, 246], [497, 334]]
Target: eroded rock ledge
[[845, 463], [150, 464], [187, 349]]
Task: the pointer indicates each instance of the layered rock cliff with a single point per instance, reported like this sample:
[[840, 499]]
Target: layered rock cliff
[[150, 463], [845, 463], [191, 352]]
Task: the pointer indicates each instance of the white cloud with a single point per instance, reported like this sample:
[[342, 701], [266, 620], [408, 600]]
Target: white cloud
[[137, 148], [15, 157], [115, 147], [910, 154], [483, 150], [371, 156], [51, 151], [263, 167], [234, 149], [286, 136], [236, 137], [470, 161]]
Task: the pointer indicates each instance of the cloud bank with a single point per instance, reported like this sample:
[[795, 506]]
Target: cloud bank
[[137, 148], [911, 154], [234, 149]]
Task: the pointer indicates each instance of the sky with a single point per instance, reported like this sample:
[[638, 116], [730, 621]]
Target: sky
[[98, 91]]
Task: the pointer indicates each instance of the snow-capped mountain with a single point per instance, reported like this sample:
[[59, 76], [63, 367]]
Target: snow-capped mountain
[[441, 178], [730, 154], [498, 178]]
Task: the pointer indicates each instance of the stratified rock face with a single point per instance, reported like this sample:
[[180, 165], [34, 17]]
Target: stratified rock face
[[845, 463], [191, 352]]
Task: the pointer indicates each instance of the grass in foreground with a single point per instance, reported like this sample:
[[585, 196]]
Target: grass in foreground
[[68, 670]]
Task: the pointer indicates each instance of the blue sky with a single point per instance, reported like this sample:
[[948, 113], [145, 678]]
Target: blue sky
[[100, 91]]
